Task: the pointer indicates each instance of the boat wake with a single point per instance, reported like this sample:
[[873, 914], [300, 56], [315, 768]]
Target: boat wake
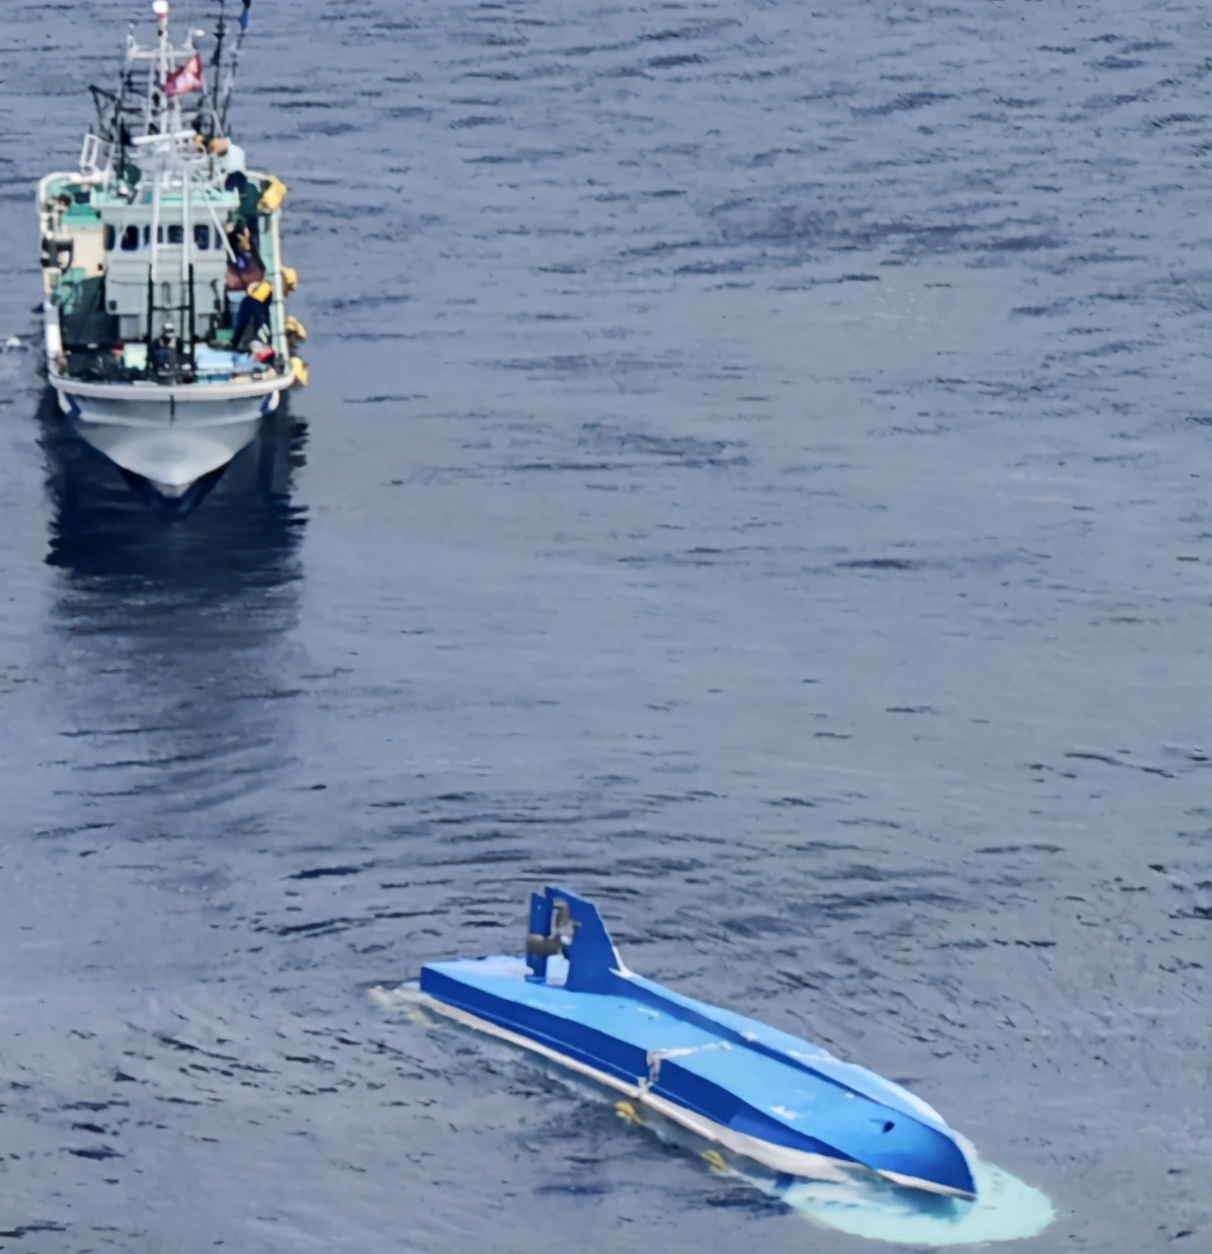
[[1006, 1208], [861, 1204]]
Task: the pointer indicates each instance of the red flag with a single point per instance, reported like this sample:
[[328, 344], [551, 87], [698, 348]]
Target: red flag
[[186, 79]]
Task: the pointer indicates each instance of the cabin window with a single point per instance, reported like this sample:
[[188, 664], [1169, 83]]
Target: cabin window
[[202, 238], [130, 239], [176, 234], [146, 236], [111, 237]]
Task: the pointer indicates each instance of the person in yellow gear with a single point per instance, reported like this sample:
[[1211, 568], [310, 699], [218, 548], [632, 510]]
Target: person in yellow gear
[[253, 317]]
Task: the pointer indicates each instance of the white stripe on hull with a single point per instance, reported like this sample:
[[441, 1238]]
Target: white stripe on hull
[[164, 413], [777, 1157]]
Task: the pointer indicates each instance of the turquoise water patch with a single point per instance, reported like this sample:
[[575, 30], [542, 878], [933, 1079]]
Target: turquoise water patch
[[1006, 1208]]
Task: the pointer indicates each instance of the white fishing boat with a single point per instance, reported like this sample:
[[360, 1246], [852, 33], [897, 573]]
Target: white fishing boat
[[167, 335]]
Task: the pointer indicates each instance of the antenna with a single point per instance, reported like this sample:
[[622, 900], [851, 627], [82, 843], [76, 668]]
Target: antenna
[[216, 60], [230, 84]]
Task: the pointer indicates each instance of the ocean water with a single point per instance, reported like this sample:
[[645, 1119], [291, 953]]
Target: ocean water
[[756, 474]]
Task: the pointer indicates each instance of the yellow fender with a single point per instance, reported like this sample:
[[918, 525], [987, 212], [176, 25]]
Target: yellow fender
[[627, 1112], [290, 279], [301, 372], [296, 328], [715, 1160], [273, 196]]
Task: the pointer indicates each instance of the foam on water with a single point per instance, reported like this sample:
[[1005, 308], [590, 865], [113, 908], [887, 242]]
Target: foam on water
[[1006, 1208], [406, 1000]]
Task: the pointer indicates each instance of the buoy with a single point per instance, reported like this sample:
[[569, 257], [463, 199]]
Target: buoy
[[296, 328], [290, 279], [301, 372], [273, 196]]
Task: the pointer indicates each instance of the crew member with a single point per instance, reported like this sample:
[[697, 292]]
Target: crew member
[[253, 317]]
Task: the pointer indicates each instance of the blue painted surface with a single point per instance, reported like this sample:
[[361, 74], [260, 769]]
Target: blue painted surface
[[735, 1071]]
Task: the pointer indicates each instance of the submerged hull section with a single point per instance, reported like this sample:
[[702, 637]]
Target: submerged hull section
[[169, 437], [759, 1092]]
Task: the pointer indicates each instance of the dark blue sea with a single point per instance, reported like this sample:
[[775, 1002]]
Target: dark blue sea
[[755, 474]]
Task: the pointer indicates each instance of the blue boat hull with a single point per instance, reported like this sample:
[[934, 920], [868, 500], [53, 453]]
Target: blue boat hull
[[753, 1089]]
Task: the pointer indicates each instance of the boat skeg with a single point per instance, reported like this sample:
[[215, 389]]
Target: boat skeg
[[566, 926], [757, 1091]]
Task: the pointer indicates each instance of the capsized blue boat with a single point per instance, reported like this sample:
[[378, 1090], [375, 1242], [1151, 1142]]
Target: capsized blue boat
[[754, 1090]]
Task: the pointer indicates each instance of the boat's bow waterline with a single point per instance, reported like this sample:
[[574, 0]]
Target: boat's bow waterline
[[755, 1090], [166, 331]]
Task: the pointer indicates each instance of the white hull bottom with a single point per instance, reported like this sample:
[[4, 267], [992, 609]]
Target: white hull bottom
[[777, 1157], [168, 443]]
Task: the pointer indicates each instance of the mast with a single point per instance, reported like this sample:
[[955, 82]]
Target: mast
[[170, 155], [155, 86], [216, 64], [230, 83], [178, 188]]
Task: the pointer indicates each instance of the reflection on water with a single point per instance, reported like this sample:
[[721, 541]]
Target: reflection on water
[[168, 633]]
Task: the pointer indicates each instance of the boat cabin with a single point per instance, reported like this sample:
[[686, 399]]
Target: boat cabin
[[131, 271]]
